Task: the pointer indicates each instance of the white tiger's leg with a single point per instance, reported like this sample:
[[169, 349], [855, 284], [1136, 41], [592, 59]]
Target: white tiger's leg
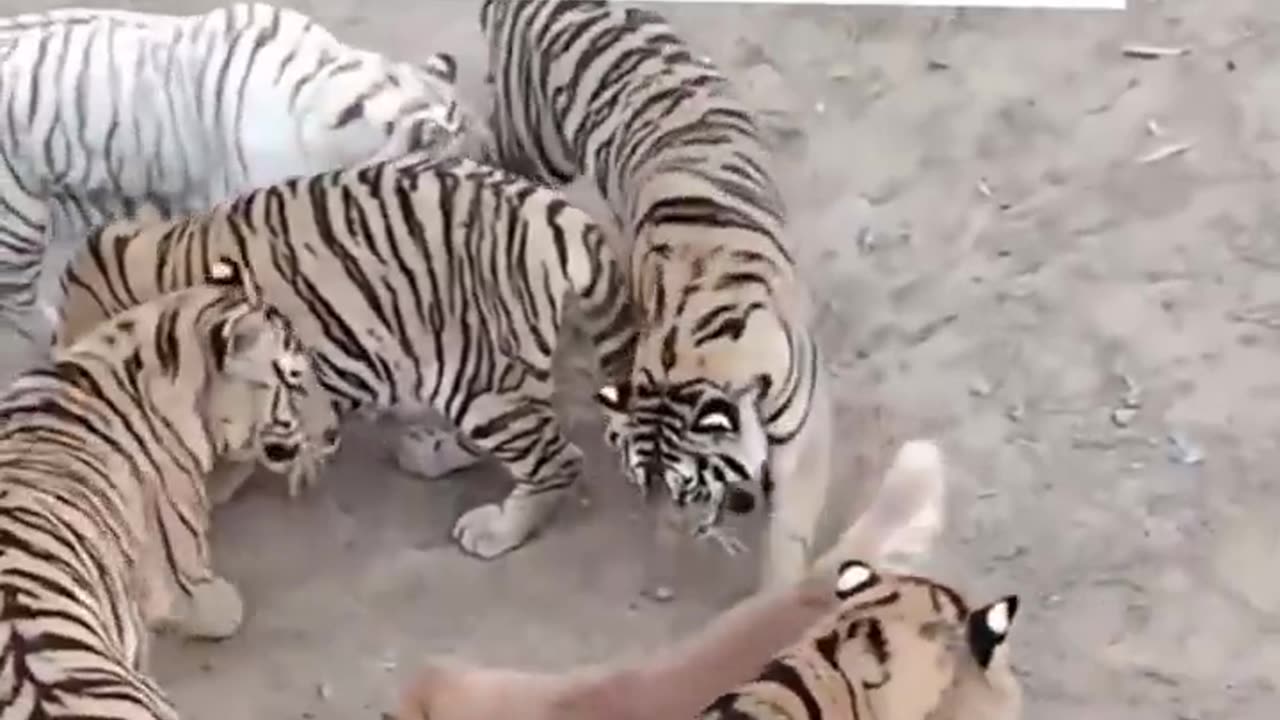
[[519, 428], [24, 227], [433, 452], [801, 472]]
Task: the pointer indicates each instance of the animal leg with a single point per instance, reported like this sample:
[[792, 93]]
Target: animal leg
[[518, 428], [24, 228], [213, 610], [182, 592], [801, 471]]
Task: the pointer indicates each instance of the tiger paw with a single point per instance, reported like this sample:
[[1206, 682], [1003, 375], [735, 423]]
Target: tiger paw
[[214, 611], [432, 453], [488, 532]]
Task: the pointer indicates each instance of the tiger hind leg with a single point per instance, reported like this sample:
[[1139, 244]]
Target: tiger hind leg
[[802, 476], [518, 428], [433, 452]]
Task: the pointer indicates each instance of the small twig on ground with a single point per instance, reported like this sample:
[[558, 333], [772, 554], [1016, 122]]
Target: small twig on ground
[[1165, 151], [1152, 52]]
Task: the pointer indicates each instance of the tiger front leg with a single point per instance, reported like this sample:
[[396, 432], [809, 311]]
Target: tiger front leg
[[521, 431], [181, 593], [212, 610], [802, 476]]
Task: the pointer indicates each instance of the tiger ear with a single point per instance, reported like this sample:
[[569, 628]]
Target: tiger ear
[[228, 273], [988, 628], [224, 273], [245, 336], [238, 337], [854, 577], [616, 397]]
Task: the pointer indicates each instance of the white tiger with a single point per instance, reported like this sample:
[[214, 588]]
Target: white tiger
[[106, 112]]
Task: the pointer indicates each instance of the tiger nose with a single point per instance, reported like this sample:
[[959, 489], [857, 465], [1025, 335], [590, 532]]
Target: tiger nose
[[739, 501]]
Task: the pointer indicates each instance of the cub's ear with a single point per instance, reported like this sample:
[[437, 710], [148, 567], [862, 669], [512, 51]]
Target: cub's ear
[[224, 273], [244, 334], [236, 338], [854, 577], [988, 627], [615, 398]]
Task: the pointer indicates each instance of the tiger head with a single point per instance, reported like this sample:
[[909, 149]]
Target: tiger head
[[262, 364], [909, 648], [374, 109], [704, 442]]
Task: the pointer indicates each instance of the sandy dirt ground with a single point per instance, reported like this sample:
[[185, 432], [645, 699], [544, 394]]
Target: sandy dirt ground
[[1062, 262]]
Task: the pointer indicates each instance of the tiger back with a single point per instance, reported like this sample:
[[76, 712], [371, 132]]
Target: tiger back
[[291, 98], [900, 647], [423, 287], [104, 451], [726, 403]]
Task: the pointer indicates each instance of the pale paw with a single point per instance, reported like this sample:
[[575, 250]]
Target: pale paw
[[216, 611], [488, 532], [431, 453]]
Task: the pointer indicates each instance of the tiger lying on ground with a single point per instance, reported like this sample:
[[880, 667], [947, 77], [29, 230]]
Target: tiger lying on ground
[[419, 286], [837, 615], [104, 451], [111, 113], [727, 391]]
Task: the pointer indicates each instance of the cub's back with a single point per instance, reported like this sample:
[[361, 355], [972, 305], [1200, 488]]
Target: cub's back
[[901, 647]]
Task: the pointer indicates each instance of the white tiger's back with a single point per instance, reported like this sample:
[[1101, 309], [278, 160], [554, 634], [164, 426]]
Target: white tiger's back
[[109, 109]]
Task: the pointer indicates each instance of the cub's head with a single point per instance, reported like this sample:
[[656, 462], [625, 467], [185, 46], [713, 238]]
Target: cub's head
[[910, 648], [704, 442], [265, 395], [373, 109]]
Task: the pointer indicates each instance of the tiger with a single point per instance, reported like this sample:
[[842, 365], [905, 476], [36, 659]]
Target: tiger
[[720, 665], [104, 450], [900, 647], [425, 288], [727, 398], [298, 455], [113, 113]]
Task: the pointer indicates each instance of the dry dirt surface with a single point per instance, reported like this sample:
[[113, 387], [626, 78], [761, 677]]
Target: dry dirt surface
[[1061, 261]]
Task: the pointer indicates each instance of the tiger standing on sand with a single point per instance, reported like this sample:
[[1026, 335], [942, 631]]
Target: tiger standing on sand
[[419, 286], [104, 452], [108, 113], [727, 392]]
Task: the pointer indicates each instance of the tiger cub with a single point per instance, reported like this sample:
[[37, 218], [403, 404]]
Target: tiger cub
[[774, 627], [726, 402], [104, 451], [900, 647], [421, 286]]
